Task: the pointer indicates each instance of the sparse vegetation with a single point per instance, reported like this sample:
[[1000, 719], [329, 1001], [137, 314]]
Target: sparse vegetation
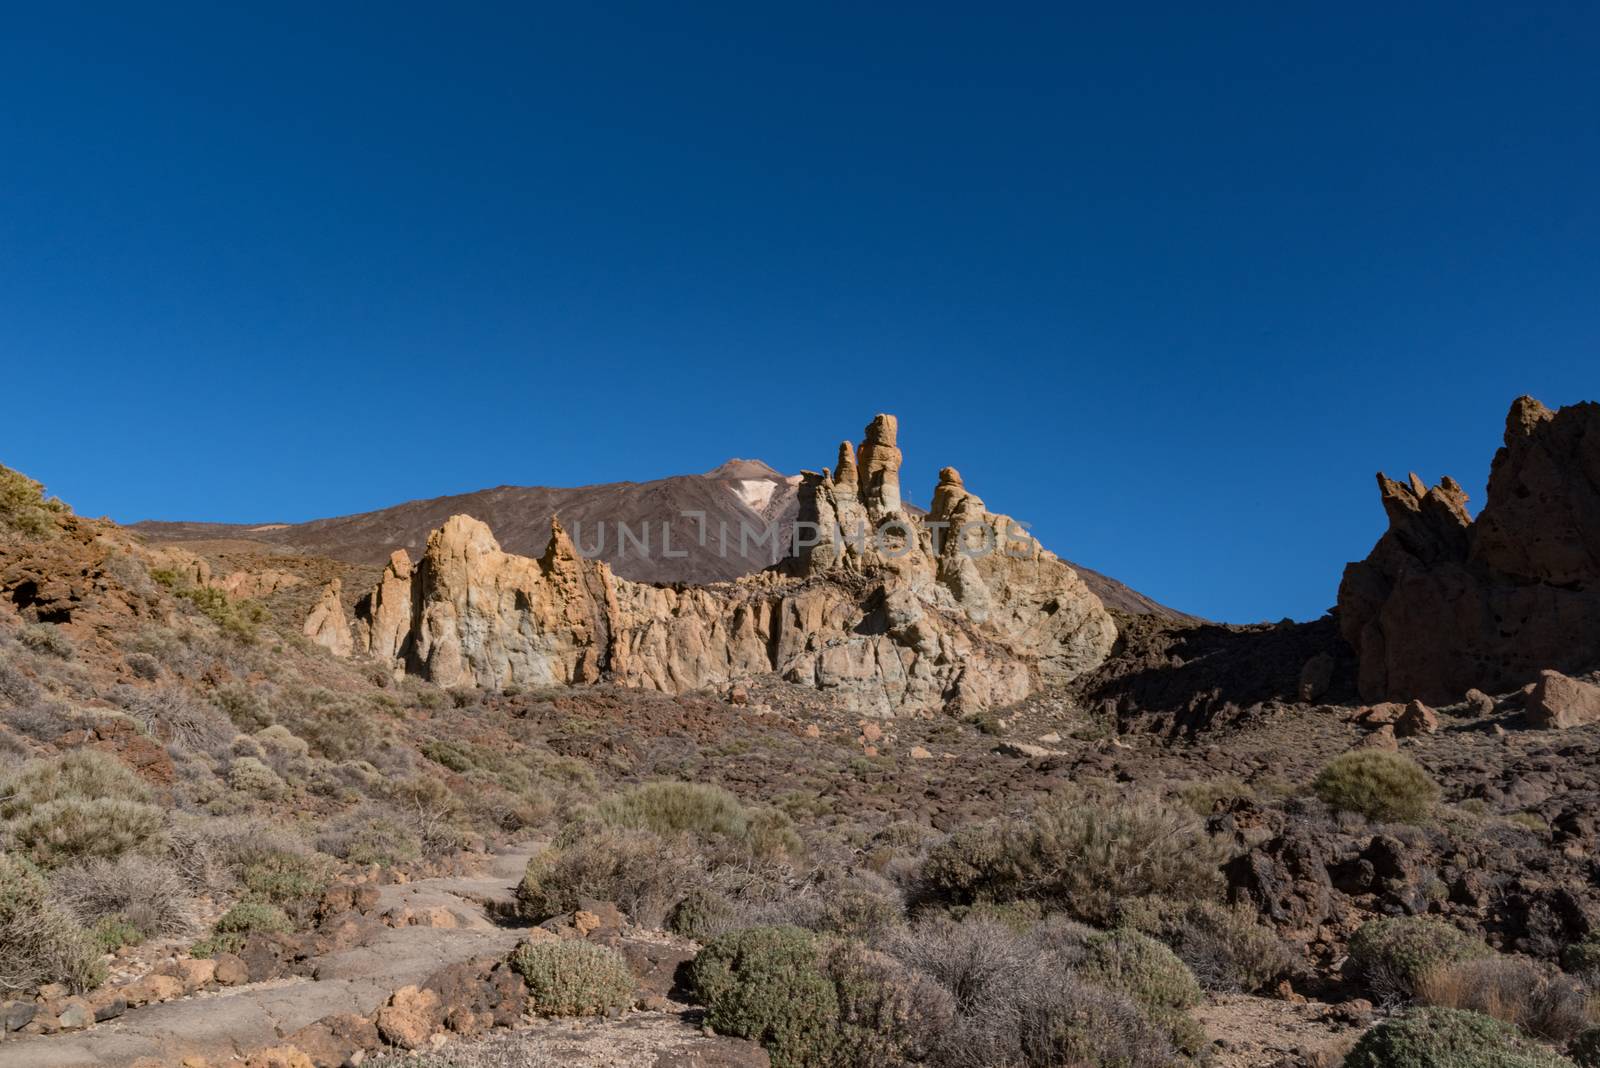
[[24, 509], [239, 923]]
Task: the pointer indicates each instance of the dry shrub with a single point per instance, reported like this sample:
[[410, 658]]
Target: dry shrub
[[1082, 855], [1019, 1004], [81, 774], [1512, 990], [642, 873], [176, 718], [1227, 947], [708, 814], [145, 894], [1394, 955], [39, 941]]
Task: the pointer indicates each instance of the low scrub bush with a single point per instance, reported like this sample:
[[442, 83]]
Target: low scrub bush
[[370, 835], [768, 984], [1446, 1038], [573, 978], [888, 1014], [1227, 948], [1513, 991], [24, 509], [1395, 955], [1019, 1001], [48, 639], [39, 941], [706, 813], [1142, 968], [1585, 1049], [239, 923], [1081, 855], [178, 719], [294, 882], [644, 874], [61, 832], [80, 774], [1380, 785], [113, 932], [146, 895], [250, 776]]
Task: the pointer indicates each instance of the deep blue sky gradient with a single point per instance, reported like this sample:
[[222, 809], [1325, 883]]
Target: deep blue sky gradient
[[1169, 281]]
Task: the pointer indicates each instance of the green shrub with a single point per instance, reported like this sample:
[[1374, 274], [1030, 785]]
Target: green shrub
[[1380, 785], [707, 813], [114, 932], [1144, 969], [60, 832], [250, 776], [39, 942], [1446, 1038], [643, 874], [294, 882], [703, 914], [24, 509], [229, 933], [80, 774], [1582, 958], [971, 865], [768, 984], [1394, 955], [888, 1015], [236, 618], [574, 978], [1227, 948], [1081, 855], [1202, 796]]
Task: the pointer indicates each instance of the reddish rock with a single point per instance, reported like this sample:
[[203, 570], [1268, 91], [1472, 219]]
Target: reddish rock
[[230, 970], [333, 1041], [1446, 603], [1382, 738], [1559, 702], [1417, 719], [410, 1018]]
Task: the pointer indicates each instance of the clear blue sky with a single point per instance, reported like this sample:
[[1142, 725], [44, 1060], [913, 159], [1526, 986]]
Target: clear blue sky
[[1169, 281]]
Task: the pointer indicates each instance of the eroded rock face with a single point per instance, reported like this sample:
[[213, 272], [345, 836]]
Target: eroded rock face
[[906, 621], [1445, 604], [327, 626]]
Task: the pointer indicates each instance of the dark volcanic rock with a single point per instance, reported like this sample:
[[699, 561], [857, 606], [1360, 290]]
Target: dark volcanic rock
[[1445, 603]]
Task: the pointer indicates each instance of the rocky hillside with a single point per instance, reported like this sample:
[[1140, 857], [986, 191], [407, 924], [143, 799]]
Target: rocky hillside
[[738, 493]]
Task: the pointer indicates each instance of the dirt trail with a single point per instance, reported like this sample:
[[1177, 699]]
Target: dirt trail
[[222, 1023]]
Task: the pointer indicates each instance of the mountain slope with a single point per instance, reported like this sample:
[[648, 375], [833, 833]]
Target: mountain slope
[[739, 495]]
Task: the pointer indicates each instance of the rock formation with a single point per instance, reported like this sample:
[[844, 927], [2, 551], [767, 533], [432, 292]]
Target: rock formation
[[1445, 604], [877, 607], [327, 626]]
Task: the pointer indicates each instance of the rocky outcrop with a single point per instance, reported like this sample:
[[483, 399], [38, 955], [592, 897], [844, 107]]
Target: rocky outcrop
[[1446, 603], [877, 607], [327, 625]]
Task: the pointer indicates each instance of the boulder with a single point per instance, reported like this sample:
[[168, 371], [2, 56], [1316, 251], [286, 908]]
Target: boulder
[[1417, 719], [1558, 702], [410, 1017]]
